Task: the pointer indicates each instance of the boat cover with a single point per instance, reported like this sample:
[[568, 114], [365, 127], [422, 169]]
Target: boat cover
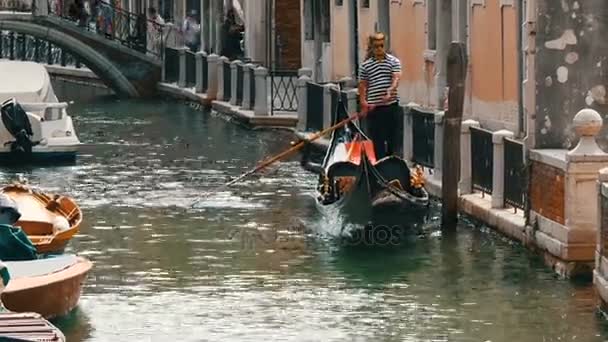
[[28, 82], [39, 267], [15, 245]]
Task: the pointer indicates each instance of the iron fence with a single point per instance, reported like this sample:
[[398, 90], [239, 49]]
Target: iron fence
[[23, 47], [240, 79], [423, 136], [171, 65], [252, 87], [283, 90], [133, 30], [190, 69], [603, 243], [515, 179], [227, 81], [482, 159], [314, 105], [204, 73]]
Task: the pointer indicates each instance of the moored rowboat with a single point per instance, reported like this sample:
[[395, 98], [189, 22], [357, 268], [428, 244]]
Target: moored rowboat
[[50, 287], [50, 221]]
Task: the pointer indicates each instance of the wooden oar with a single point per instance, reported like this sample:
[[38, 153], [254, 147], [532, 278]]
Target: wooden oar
[[283, 154]]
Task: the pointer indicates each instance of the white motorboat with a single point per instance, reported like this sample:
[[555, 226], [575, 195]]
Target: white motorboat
[[35, 126]]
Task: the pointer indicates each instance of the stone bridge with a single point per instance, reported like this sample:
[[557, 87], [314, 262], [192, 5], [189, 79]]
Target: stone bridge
[[119, 58]]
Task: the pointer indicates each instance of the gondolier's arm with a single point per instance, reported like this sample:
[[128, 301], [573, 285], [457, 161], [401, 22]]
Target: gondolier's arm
[[365, 107]]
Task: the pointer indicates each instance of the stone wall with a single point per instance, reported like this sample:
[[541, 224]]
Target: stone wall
[[547, 191], [571, 67]]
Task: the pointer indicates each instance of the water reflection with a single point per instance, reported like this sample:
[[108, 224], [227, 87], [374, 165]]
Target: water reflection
[[258, 260]]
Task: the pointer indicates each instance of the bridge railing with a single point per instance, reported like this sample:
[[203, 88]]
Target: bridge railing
[[133, 30], [23, 47]]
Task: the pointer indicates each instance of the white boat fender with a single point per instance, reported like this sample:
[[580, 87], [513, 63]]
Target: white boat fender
[[60, 224]]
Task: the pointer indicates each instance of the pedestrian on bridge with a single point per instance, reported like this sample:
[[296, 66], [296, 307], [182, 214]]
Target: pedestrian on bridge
[[379, 76]]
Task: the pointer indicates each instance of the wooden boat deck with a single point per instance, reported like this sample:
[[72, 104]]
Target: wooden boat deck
[[28, 327]]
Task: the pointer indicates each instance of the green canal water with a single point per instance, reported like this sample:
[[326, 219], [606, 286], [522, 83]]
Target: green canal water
[[260, 262]]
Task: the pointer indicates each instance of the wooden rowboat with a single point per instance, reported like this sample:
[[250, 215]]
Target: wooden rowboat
[[28, 327], [50, 221], [50, 287]]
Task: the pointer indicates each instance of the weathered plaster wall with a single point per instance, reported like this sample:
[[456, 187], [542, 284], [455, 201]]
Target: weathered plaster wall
[[493, 58], [408, 44], [571, 63], [340, 37]]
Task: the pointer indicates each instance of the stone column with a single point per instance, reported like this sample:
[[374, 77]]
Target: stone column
[[261, 92], [220, 78], [199, 71], [305, 71], [303, 101], [600, 276], [351, 98], [443, 39], [408, 134], [438, 146], [327, 107], [212, 76], [233, 79], [466, 177], [248, 77], [498, 168], [584, 163], [181, 82]]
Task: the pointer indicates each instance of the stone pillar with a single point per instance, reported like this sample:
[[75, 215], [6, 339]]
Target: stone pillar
[[261, 92], [600, 274], [498, 170], [584, 163], [327, 107], [351, 98], [181, 82], [466, 177], [212, 76], [199, 71], [248, 77], [305, 72], [220, 78], [302, 101], [438, 147], [233, 79]]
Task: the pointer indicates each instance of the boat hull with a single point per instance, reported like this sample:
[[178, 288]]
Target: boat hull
[[7, 158], [49, 221], [50, 295]]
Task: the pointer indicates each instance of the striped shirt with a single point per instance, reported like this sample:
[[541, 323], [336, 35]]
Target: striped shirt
[[379, 77]]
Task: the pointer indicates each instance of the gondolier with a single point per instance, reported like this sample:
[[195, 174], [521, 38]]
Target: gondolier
[[379, 78]]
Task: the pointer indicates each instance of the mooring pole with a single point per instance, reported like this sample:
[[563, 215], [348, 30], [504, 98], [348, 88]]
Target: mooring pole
[[456, 75]]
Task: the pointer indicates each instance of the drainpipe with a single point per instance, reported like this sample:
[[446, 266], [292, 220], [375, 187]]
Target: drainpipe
[[444, 37], [355, 3], [521, 128]]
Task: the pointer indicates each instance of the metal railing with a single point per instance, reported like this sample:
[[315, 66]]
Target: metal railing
[[204, 74], [171, 65], [227, 80], [423, 131], [190, 69], [314, 105], [23, 47], [133, 30], [240, 79], [515, 179], [283, 86], [482, 159]]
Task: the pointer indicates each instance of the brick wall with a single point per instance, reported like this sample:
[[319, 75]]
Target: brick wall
[[287, 21], [547, 191]]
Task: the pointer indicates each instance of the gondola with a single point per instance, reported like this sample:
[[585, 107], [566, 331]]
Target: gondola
[[361, 187]]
